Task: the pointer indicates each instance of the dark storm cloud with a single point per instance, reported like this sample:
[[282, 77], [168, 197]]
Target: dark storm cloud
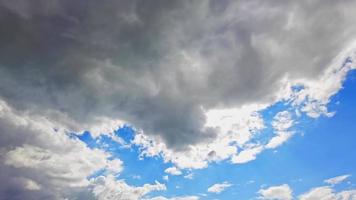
[[157, 64]]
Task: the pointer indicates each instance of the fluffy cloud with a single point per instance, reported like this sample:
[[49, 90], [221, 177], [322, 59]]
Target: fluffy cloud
[[282, 192], [237, 128], [327, 193], [219, 187], [34, 153], [281, 123], [108, 188]]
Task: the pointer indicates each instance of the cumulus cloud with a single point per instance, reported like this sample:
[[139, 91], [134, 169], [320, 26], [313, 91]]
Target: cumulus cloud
[[108, 188], [41, 161], [219, 187], [284, 192], [34, 153], [281, 192], [328, 193]]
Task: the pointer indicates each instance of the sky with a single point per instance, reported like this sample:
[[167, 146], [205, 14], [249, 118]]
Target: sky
[[177, 100]]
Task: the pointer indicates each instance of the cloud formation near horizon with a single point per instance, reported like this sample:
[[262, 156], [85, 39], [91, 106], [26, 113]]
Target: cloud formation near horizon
[[284, 192]]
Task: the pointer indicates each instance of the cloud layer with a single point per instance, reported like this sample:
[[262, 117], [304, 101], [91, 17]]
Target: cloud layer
[[159, 65], [284, 192], [190, 76]]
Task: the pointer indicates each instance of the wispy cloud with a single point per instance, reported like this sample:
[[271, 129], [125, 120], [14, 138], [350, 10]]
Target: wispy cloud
[[219, 187], [337, 179]]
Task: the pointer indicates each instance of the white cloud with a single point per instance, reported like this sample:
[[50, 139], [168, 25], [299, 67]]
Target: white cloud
[[166, 178], [337, 180], [69, 169], [282, 121], [175, 198], [281, 192], [281, 124], [247, 155], [279, 139], [250, 182], [115, 166], [316, 93], [42, 154], [245, 123], [328, 193], [284, 192], [189, 176], [219, 187], [325, 192], [137, 177], [173, 171], [107, 188]]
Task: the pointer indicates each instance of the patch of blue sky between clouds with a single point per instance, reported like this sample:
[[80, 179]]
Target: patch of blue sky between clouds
[[318, 150]]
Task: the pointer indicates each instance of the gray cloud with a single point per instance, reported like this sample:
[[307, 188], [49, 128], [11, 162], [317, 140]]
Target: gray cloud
[[38, 162], [156, 64]]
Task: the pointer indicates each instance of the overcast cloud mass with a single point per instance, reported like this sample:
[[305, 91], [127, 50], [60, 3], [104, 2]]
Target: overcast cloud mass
[[173, 70]]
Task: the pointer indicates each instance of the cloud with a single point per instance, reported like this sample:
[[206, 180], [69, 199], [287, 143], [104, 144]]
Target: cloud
[[173, 171], [191, 77], [284, 192], [326, 192], [189, 176], [281, 192], [109, 188], [245, 123], [337, 179], [175, 198], [34, 153], [282, 121], [29, 184], [140, 68], [67, 169], [219, 187], [137, 177], [246, 155], [165, 177], [281, 124]]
